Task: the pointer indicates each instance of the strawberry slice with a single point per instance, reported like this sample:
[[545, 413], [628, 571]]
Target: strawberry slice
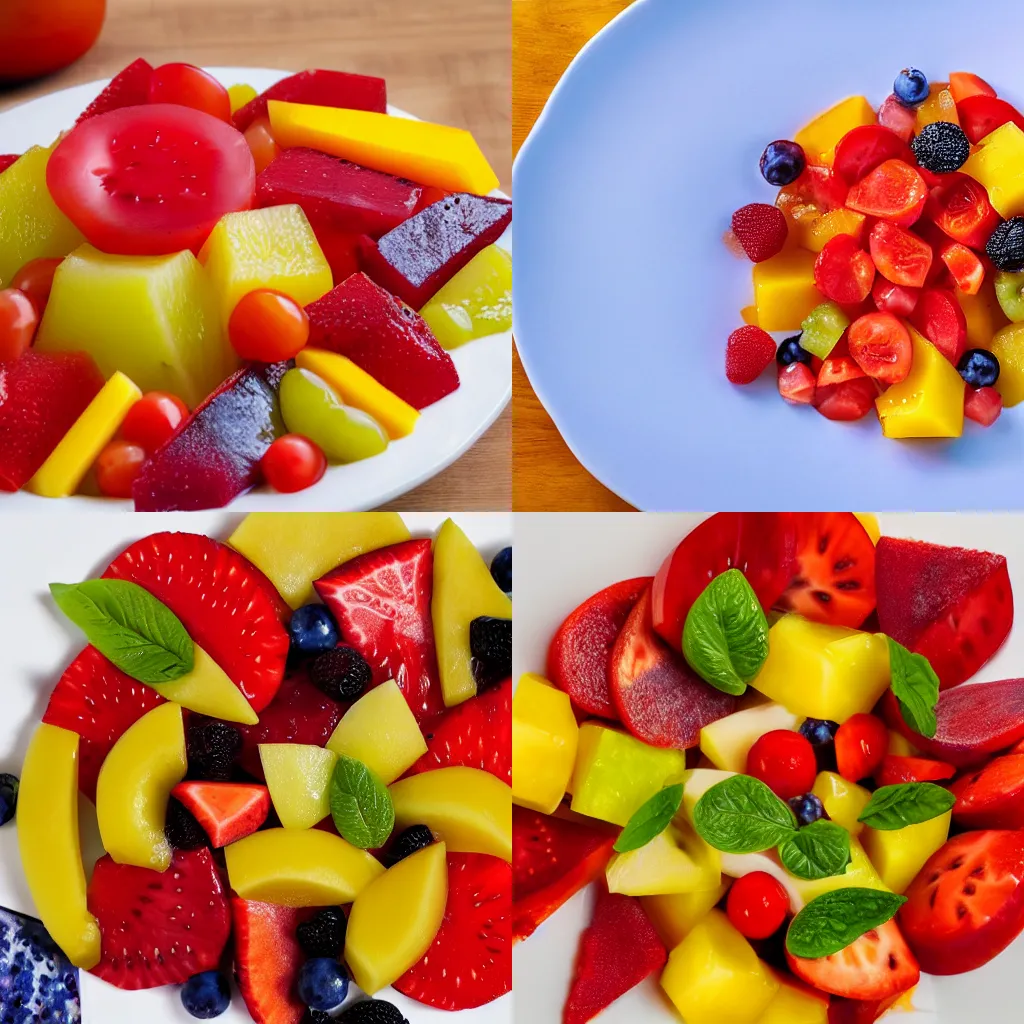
[[992, 797], [896, 769], [228, 811], [469, 963], [159, 928], [381, 602], [476, 734], [222, 601], [128, 88], [100, 703]]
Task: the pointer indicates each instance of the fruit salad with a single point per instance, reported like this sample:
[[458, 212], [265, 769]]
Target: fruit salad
[[764, 764], [888, 273], [203, 289], [297, 741]]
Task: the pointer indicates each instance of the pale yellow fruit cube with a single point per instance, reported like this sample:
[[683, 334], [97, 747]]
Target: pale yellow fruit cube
[[298, 777], [675, 861], [900, 853], [844, 801], [544, 741], [674, 914]]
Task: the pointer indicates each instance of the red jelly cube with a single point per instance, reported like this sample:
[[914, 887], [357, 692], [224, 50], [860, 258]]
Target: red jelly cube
[[388, 340], [422, 255], [41, 396], [128, 88]]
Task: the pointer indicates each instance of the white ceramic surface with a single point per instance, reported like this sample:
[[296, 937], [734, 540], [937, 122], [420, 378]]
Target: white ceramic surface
[[560, 561], [445, 431], [37, 643]]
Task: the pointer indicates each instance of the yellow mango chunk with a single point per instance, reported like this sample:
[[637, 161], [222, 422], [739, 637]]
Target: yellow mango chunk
[[983, 313], [134, 785], [823, 229], [714, 976], [299, 868], [820, 671], [898, 854], [381, 731], [51, 853], [870, 523], [272, 248], [544, 740], [998, 163], [784, 290], [795, 1004], [675, 914], [66, 466], [818, 138], [844, 801], [727, 742], [240, 95], [299, 779], [939, 106], [468, 808], [432, 154], [476, 302], [748, 314], [675, 861], [355, 387], [31, 225], [1008, 347], [208, 690], [395, 919], [929, 402], [294, 549]]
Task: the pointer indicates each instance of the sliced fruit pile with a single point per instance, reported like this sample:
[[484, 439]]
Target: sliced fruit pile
[[329, 784], [202, 289], [895, 250], [788, 804]]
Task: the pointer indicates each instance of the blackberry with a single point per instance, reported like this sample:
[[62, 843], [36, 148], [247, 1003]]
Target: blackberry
[[372, 1011], [941, 147], [182, 830], [490, 642], [213, 748], [317, 1017], [414, 838], [1005, 246], [323, 935], [341, 673]]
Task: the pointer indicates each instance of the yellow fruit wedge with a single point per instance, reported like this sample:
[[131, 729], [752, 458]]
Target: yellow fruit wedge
[[240, 95], [545, 737], [66, 466], [870, 523], [432, 154], [468, 808], [675, 914], [727, 742], [1008, 347], [675, 861], [299, 779], [900, 853], [784, 290], [998, 163], [299, 868], [208, 690], [51, 853], [395, 919], [818, 138], [134, 785], [795, 1004], [844, 801]]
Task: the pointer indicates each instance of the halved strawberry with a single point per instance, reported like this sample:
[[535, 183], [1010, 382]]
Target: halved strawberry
[[159, 928], [128, 88], [940, 318], [99, 702], [222, 601], [228, 811], [993, 796], [894, 191], [469, 963], [381, 602], [898, 769]]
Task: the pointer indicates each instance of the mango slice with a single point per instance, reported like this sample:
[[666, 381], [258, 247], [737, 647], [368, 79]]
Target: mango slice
[[844, 801], [795, 1004], [819, 137], [676, 861], [998, 163], [208, 690], [900, 853], [1008, 347], [299, 779], [544, 741], [675, 914], [784, 290]]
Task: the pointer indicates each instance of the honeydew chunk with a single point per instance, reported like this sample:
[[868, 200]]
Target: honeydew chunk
[[299, 779], [675, 861], [727, 742]]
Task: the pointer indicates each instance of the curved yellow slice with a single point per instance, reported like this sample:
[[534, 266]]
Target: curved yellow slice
[[207, 690]]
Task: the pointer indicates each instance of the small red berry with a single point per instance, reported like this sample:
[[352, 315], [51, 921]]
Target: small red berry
[[861, 745], [293, 463], [117, 467], [797, 383], [983, 405], [153, 420], [784, 761], [757, 905], [761, 230], [748, 354]]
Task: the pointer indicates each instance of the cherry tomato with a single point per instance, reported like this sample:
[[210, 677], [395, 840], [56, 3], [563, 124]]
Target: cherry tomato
[[757, 905], [784, 761], [189, 86], [151, 180], [861, 745], [268, 327], [153, 420], [293, 463], [18, 322], [264, 147], [117, 467], [38, 37], [35, 279]]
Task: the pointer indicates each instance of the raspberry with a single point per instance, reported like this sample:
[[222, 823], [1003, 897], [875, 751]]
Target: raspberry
[[747, 353], [797, 384], [983, 405], [761, 230]]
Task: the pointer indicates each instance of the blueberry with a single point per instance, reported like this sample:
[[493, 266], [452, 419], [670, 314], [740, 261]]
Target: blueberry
[[807, 808], [791, 352], [206, 995], [941, 147], [911, 87], [501, 569], [978, 367], [782, 162], [313, 629], [819, 731], [1005, 246], [323, 983], [8, 797]]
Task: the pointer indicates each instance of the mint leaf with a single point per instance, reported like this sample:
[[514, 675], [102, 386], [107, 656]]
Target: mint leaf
[[742, 815], [650, 820], [835, 919], [820, 850], [725, 638], [908, 803], [130, 627], [916, 687], [360, 805]]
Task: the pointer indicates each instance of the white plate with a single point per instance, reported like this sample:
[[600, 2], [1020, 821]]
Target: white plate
[[37, 644], [561, 560], [446, 429]]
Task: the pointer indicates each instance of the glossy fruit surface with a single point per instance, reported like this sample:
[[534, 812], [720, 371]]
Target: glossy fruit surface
[[981, 115], [900, 256], [863, 148], [782, 162], [894, 191], [846, 401], [268, 327], [983, 405], [961, 208], [18, 321], [893, 298], [117, 467], [261, 143], [757, 905], [896, 768], [843, 271], [963, 84], [35, 279], [154, 420], [796, 384], [784, 761], [940, 318], [993, 796], [880, 344], [861, 744], [189, 86], [38, 40], [293, 463], [206, 995]]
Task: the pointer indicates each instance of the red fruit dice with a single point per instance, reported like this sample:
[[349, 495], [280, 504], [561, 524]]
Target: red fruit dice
[[387, 339], [796, 383], [843, 271], [761, 230], [848, 401], [992, 796], [128, 88], [965, 265], [940, 318], [896, 769], [894, 191], [817, 186], [900, 120], [894, 298], [861, 743], [983, 405], [748, 353], [981, 115], [863, 148], [880, 345], [900, 256], [784, 761], [6, 159], [836, 370], [963, 84], [953, 605], [227, 811], [961, 208]]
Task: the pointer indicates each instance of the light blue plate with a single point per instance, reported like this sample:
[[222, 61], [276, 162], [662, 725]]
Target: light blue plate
[[625, 294]]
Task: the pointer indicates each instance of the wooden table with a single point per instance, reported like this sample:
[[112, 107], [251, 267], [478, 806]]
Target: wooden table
[[445, 60]]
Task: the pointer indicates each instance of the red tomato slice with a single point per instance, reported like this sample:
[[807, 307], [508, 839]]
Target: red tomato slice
[[151, 180], [894, 191], [863, 148], [992, 797], [960, 207], [980, 115], [896, 769], [843, 271], [900, 256]]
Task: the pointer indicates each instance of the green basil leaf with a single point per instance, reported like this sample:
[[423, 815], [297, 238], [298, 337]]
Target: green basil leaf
[[725, 638], [908, 803], [742, 815], [650, 820], [820, 850], [915, 686], [835, 919], [360, 805], [130, 627]]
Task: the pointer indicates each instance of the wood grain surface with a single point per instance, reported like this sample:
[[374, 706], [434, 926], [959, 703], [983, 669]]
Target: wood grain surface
[[444, 60], [547, 34]]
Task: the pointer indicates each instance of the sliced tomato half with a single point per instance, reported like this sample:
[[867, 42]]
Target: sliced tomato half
[[981, 115]]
